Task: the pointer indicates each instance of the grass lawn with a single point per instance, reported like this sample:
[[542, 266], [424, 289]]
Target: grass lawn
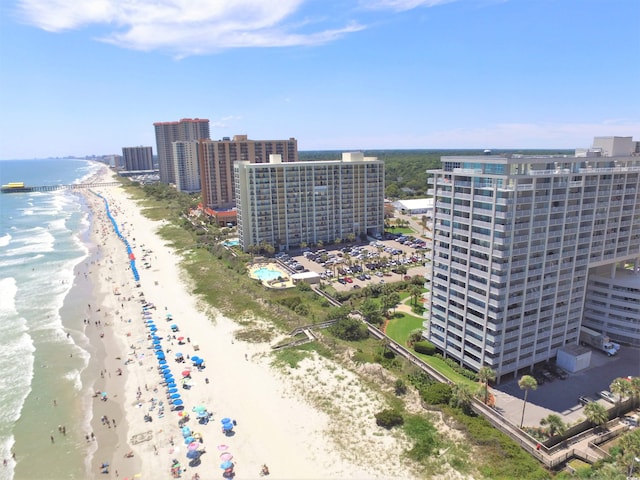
[[401, 326]]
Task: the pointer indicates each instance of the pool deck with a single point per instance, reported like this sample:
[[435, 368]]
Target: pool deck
[[287, 283]]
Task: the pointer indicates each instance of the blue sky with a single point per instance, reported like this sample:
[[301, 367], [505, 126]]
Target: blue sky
[[90, 77]]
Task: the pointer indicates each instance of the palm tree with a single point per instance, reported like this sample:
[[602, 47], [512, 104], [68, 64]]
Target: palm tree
[[461, 397], [415, 291], [635, 389], [486, 375], [596, 413], [555, 425], [526, 383], [621, 387]]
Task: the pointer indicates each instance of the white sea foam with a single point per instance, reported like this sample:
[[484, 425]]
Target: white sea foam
[[5, 240], [74, 377], [33, 240], [19, 261], [9, 288]]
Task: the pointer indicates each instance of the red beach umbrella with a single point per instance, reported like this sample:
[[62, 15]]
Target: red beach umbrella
[[186, 373]]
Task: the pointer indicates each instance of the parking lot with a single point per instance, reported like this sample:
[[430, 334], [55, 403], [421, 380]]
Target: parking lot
[[562, 396], [358, 265]]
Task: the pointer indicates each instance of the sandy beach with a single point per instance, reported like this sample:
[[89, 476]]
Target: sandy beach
[[276, 415]]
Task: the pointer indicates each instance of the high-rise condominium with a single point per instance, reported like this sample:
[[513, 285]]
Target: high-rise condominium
[[137, 158], [286, 205], [217, 159], [514, 238], [187, 129]]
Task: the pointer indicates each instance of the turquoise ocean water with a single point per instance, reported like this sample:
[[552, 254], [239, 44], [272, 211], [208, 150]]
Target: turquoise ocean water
[[44, 236]]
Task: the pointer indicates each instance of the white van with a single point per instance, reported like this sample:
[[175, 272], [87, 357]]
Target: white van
[[631, 420]]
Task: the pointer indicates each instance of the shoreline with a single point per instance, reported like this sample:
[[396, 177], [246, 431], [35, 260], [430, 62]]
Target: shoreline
[[278, 423]]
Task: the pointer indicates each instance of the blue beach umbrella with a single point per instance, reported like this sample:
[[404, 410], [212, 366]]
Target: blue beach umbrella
[[193, 454], [177, 402], [226, 465], [156, 341], [225, 420], [157, 347], [195, 358], [179, 354], [174, 395], [165, 368], [199, 361], [189, 439], [171, 385], [172, 390], [169, 379], [162, 361]]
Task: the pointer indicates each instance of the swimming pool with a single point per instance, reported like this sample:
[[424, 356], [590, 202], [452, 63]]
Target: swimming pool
[[232, 243], [268, 273]]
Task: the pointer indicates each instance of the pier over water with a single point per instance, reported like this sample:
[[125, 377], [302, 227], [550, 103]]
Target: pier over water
[[15, 188]]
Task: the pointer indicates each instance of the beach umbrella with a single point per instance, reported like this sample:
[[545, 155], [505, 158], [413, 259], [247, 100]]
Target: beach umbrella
[[193, 446], [157, 347], [227, 427], [178, 354], [180, 339], [226, 457], [189, 439], [177, 401], [165, 368], [171, 385], [225, 420], [153, 328], [186, 431], [156, 341], [172, 390], [199, 362], [169, 378], [225, 465], [162, 361], [186, 373], [193, 454], [199, 408], [223, 447], [174, 395]]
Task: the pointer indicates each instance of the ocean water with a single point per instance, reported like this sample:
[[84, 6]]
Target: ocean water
[[44, 236]]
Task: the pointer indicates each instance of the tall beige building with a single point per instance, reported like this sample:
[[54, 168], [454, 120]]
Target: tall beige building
[[288, 204], [218, 157], [184, 130]]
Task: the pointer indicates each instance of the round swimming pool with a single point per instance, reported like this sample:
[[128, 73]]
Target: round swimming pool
[[268, 273]]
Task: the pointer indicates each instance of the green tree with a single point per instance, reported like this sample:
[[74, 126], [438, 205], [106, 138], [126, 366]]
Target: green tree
[[461, 397], [596, 413], [630, 445], [554, 424], [621, 387], [635, 390], [485, 375], [371, 311], [415, 291], [526, 383]]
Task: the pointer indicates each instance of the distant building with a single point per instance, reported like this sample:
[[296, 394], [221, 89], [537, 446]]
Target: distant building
[[415, 206], [514, 240], [218, 156], [185, 165], [184, 130], [288, 204], [137, 158]]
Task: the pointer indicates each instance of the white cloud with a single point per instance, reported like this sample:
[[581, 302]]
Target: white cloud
[[401, 5], [184, 27]]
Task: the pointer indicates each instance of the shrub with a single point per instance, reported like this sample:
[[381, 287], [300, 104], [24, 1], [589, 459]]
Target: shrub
[[424, 347], [436, 394], [400, 387], [388, 419], [349, 329]]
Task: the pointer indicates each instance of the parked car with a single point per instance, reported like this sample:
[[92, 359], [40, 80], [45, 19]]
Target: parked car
[[585, 400], [608, 396]]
